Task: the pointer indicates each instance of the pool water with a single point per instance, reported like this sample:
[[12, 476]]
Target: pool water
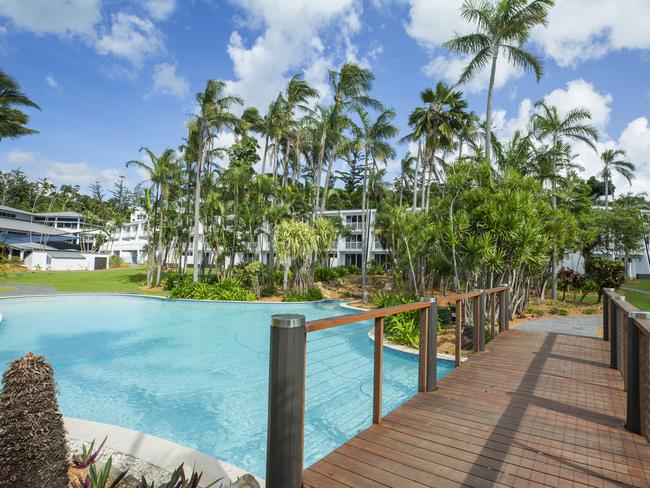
[[196, 373]]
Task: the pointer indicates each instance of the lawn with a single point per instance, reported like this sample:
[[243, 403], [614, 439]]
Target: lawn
[[125, 280], [639, 300], [638, 284]]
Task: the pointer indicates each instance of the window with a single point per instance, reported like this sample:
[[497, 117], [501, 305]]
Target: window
[[353, 242], [353, 260], [7, 214]]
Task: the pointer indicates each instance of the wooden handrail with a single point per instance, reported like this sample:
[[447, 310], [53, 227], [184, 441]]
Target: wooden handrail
[[287, 371], [330, 322]]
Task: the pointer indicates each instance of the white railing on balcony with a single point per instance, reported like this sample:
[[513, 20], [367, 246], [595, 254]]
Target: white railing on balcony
[[353, 245]]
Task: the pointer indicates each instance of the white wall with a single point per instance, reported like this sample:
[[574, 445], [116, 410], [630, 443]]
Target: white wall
[[38, 260]]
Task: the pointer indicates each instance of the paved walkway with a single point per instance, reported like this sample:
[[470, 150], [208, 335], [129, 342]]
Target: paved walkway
[[535, 409], [635, 290], [581, 326], [25, 290]]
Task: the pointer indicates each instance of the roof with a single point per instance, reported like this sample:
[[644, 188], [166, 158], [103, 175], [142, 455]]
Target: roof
[[34, 228], [65, 255], [26, 246], [58, 214]]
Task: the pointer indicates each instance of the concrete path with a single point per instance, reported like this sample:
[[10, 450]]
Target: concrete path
[[25, 290], [579, 326], [636, 290]]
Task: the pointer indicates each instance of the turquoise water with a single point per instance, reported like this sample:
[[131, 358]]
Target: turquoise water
[[196, 373]]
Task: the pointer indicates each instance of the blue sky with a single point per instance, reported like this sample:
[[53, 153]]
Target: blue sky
[[113, 75]]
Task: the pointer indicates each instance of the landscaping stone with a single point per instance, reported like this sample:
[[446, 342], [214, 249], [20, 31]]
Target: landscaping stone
[[246, 481]]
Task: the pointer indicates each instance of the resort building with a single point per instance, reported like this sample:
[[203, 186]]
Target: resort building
[[57, 241], [638, 265], [129, 241]]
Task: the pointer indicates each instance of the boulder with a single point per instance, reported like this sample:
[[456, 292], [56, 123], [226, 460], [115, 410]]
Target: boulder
[[246, 481]]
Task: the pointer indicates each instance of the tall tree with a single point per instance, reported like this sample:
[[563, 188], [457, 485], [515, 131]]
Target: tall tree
[[502, 27], [214, 117], [374, 136], [555, 132], [12, 119], [614, 162]]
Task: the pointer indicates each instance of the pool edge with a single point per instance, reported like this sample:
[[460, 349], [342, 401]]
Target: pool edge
[[154, 450]]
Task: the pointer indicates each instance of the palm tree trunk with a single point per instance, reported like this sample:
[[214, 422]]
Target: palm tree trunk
[[160, 238], [553, 258], [364, 226], [319, 170], [266, 150], [197, 215], [415, 177], [328, 176], [488, 115]]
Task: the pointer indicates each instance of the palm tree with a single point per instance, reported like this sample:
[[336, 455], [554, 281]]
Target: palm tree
[[350, 87], [297, 94], [502, 27], [555, 132], [161, 171], [373, 137], [614, 162], [406, 174], [13, 120], [214, 117], [434, 126]]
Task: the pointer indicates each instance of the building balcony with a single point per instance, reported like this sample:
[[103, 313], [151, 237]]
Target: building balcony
[[353, 246]]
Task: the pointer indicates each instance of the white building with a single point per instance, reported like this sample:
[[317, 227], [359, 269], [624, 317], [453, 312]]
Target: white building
[[49, 241], [638, 265], [130, 241]]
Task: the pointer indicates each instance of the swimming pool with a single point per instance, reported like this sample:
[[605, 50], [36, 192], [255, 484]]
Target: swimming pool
[[196, 373]]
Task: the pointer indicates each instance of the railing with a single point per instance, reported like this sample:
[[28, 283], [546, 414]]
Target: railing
[[353, 245], [628, 331], [287, 368]]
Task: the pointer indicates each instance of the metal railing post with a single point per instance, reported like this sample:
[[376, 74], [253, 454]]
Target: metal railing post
[[613, 332], [606, 292], [476, 331], [505, 308], [377, 371], [481, 331], [458, 338], [633, 421], [432, 344], [286, 416], [423, 351]]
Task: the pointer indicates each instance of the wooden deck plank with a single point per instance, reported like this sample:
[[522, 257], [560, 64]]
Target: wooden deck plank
[[535, 409]]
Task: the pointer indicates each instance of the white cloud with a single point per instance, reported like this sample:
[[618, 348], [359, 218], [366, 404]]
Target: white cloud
[[289, 43], [580, 93], [432, 22], [130, 37], [450, 68], [62, 173], [634, 139], [580, 30], [52, 83], [160, 9], [59, 17], [167, 82]]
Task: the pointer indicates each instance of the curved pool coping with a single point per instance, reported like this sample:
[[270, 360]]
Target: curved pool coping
[[154, 450]]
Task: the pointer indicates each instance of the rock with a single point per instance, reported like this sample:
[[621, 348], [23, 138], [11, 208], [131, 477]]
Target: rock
[[388, 286], [131, 482], [246, 481]]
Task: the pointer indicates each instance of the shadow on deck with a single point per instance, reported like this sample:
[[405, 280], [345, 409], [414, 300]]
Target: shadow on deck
[[535, 409]]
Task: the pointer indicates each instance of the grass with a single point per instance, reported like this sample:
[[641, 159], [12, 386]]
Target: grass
[[114, 280], [638, 284], [639, 300]]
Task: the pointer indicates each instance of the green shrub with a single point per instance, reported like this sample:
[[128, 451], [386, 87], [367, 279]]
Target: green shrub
[[558, 311], [116, 262], [590, 311], [376, 270], [608, 274], [535, 311], [403, 328], [171, 281], [229, 289], [310, 295], [325, 274]]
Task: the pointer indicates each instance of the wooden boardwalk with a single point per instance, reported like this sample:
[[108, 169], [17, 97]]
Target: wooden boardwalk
[[535, 409]]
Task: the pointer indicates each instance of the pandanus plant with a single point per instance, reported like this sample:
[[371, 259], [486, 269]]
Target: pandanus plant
[[99, 479], [178, 480], [87, 456]]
